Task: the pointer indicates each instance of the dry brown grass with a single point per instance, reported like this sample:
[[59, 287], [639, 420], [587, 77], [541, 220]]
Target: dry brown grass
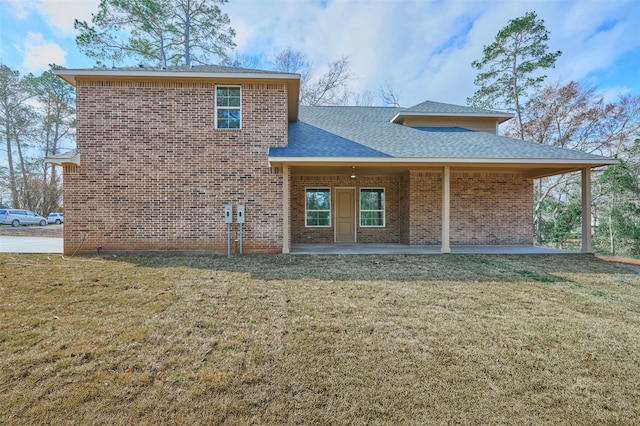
[[319, 340]]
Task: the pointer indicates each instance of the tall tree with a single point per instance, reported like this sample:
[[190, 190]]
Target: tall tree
[[15, 120], [510, 67], [161, 32], [55, 125], [36, 116]]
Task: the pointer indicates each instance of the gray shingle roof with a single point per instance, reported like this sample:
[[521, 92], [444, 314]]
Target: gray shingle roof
[[367, 132], [431, 107], [195, 69]]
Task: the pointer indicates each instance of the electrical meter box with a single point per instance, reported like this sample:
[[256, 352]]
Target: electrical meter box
[[240, 213], [228, 213]]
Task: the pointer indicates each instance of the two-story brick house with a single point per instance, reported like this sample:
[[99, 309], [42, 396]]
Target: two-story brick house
[[160, 152]]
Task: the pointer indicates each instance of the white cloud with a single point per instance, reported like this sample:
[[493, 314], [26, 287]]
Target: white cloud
[[425, 48], [39, 53], [18, 8], [60, 14]]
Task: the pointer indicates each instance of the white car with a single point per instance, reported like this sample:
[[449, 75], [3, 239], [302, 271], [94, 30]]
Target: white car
[[17, 217], [56, 218]]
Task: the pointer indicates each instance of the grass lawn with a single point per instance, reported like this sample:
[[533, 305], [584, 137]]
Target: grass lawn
[[319, 340]]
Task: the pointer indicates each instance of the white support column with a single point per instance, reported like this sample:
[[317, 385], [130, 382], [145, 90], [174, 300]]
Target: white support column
[[446, 207], [586, 211], [286, 208]]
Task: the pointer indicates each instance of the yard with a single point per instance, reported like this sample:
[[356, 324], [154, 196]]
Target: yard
[[319, 340]]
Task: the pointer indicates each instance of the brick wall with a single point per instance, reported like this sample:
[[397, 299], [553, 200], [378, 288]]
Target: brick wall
[[491, 208], [486, 208], [155, 173], [425, 207]]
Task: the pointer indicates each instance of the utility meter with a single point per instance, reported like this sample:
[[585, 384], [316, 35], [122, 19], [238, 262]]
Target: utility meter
[[240, 213], [228, 213]]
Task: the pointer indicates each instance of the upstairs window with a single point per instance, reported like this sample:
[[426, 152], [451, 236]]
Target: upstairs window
[[372, 207], [318, 207], [228, 107]]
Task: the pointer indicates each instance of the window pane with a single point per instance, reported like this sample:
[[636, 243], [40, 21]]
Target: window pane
[[228, 119], [317, 218], [318, 207], [372, 218], [372, 199], [228, 96], [318, 199], [372, 207]]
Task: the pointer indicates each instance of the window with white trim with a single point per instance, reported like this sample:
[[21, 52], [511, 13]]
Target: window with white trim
[[372, 207], [228, 107], [317, 207]]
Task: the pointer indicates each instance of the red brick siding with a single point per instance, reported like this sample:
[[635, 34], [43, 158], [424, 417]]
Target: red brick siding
[[425, 207], [491, 208], [155, 173], [486, 208]]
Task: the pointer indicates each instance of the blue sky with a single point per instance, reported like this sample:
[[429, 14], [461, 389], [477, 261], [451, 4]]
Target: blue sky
[[421, 48]]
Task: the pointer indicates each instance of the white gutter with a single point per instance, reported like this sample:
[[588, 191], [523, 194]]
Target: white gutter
[[431, 160]]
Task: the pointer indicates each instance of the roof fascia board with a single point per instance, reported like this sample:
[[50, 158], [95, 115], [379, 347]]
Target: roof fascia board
[[61, 161], [499, 115], [431, 160], [70, 75]]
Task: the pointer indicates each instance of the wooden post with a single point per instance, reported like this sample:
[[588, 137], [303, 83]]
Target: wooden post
[[586, 211], [286, 203], [446, 207]]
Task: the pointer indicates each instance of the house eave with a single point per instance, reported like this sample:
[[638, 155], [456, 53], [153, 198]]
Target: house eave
[[422, 160], [70, 75], [500, 117], [63, 160], [532, 168]]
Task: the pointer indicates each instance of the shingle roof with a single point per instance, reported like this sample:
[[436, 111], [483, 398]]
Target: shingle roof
[[194, 69], [431, 107], [367, 132]]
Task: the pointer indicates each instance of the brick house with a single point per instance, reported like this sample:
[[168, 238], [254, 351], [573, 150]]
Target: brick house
[[160, 153]]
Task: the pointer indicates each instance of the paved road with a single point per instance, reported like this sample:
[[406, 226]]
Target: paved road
[[30, 245]]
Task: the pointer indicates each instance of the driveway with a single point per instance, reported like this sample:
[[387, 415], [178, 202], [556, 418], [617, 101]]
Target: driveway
[[16, 244]]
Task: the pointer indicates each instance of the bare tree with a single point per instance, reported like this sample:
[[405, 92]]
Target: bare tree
[[331, 88], [575, 117], [389, 96]]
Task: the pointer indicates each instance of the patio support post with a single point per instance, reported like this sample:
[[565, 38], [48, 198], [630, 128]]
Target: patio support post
[[446, 207], [586, 211], [286, 202]]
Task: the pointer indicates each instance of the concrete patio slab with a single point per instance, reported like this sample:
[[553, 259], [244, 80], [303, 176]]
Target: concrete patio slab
[[305, 249], [30, 244]]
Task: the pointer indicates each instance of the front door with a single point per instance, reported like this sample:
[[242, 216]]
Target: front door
[[345, 215]]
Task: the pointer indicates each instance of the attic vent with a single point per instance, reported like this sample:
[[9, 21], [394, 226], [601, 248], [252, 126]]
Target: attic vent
[[70, 168]]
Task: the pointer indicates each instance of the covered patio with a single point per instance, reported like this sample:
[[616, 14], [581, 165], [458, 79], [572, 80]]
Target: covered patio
[[383, 249]]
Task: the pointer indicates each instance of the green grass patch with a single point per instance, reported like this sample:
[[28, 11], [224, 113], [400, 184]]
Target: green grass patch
[[318, 340]]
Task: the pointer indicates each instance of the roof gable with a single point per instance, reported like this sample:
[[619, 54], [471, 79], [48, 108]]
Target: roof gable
[[439, 109]]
